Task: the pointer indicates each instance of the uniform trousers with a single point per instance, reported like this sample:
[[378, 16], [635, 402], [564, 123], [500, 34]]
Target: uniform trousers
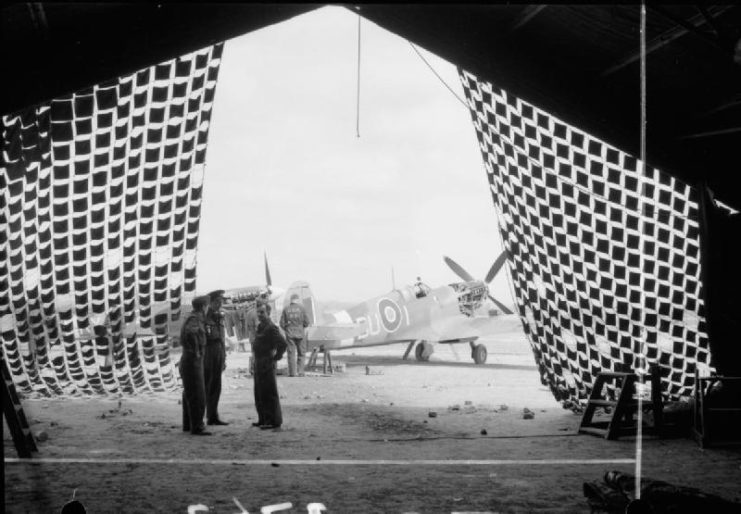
[[194, 392], [213, 366], [267, 401], [296, 351]]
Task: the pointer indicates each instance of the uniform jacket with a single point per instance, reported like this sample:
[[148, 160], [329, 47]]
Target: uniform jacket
[[193, 336], [294, 320], [215, 327], [269, 342]]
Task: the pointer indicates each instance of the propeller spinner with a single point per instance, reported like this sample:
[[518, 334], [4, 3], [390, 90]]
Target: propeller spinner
[[458, 270]]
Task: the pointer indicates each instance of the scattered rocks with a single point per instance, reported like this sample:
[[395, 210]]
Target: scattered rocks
[[455, 407], [432, 414], [503, 407], [468, 402], [117, 411], [42, 436], [483, 431], [527, 413], [53, 423]]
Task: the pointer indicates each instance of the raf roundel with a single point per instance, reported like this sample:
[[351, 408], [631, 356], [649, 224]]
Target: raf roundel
[[390, 314]]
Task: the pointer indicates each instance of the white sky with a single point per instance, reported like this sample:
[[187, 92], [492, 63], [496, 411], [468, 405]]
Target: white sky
[[287, 174]]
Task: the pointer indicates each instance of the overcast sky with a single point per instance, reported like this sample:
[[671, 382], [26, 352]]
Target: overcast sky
[[286, 173]]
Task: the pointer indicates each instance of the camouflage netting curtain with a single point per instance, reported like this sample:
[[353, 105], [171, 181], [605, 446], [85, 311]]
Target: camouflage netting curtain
[[605, 261], [101, 195]]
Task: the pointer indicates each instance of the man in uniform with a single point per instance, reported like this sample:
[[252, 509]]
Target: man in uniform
[[214, 360], [193, 341], [268, 348], [294, 321]]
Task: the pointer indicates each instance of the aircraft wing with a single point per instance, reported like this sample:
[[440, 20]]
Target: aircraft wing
[[479, 326], [334, 333]]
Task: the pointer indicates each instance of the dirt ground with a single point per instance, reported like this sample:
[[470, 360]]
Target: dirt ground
[[385, 435]]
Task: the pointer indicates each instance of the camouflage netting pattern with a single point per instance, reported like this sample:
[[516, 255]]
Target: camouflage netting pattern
[[604, 259], [101, 195]]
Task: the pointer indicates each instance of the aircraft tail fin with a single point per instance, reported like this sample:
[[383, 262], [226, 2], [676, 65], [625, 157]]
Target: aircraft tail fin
[[307, 299]]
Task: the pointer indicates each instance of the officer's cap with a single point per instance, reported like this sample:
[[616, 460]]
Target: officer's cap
[[199, 302], [219, 293], [294, 297]]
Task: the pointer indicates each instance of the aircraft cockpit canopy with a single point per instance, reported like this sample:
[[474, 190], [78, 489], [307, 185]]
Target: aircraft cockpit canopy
[[421, 289]]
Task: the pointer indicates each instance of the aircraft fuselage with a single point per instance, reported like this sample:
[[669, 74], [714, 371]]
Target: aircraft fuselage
[[401, 316]]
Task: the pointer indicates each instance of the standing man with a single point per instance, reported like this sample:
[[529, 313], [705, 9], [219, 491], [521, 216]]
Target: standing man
[[214, 360], [268, 348], [294, 321], [193, 342]]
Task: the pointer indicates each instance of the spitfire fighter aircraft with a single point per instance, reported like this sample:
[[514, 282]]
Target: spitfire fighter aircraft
[[413, 314]]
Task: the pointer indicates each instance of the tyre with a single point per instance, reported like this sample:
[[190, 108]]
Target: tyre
[[479, 354], [422, 351]]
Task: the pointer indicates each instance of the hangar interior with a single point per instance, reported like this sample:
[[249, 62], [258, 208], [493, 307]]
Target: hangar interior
[[105, 127]]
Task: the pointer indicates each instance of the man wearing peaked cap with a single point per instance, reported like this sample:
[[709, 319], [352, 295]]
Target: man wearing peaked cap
[[214, 360], [193, 342], [200, 301], [219, 293]]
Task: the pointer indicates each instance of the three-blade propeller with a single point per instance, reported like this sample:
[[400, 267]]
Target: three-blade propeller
[[458, 270]]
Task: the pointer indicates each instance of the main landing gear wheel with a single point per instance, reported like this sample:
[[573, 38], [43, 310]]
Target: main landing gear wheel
[[479, 354], [423, 351]]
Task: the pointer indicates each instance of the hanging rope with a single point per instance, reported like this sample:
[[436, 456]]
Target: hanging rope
[[437, 75], [357, 106], [642, 354]]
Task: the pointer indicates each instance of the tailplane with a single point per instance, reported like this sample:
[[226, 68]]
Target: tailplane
[[306, 298]]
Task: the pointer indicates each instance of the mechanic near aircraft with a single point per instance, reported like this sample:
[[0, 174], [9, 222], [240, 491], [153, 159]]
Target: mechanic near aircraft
[[214, 360], [294, 321]]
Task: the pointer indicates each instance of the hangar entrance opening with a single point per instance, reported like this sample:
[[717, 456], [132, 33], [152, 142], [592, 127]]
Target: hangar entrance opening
[[604, 259]]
